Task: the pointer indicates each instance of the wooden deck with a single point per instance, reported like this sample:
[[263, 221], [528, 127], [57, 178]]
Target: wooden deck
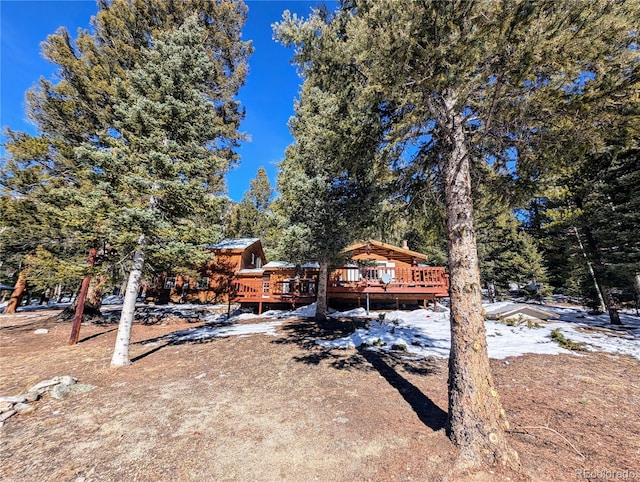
[[355, 284]]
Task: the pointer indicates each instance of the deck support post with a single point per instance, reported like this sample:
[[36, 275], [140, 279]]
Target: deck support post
[[367, 303], [260, 307]]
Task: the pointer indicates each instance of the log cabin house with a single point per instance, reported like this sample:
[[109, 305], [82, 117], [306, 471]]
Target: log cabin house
[[377, 273], [229, 259]]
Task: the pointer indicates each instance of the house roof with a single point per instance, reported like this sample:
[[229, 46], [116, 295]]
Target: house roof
[[508, 310], [401, 254], [237, 244]]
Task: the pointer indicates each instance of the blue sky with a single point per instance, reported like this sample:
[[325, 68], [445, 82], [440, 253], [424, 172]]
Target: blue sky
[[267, 96]]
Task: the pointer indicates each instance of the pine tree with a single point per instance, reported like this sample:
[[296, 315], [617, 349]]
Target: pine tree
[[328, 179], [159, 166], [44, 228], [507, 253], [251, 216], [118, 130], [502, 82], [588, 225]]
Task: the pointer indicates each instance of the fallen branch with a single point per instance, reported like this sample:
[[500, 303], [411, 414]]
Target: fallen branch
[[550, 430]]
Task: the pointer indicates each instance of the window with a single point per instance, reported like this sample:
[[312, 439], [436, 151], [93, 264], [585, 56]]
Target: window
[[203, 283], [170, 283]]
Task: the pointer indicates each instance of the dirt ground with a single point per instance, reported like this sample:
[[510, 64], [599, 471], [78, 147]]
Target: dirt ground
[[281, 408]]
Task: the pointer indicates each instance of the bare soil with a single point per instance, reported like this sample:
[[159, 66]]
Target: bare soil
[[281, 408]]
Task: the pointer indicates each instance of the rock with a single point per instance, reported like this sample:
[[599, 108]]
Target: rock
[[6, 415], [31, 396], [41, 331], [23, 408], [6, 406], [67, 380], [44, 386], [13, 399], [59, 391]]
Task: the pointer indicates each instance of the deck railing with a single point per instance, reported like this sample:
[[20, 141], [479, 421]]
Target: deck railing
[[350, 279], [416, 277]]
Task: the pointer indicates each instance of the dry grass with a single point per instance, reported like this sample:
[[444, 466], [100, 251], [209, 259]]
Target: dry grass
[[281, 408]]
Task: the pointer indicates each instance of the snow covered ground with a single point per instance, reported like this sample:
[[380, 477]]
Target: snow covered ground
[[426, 333], [422, 332]]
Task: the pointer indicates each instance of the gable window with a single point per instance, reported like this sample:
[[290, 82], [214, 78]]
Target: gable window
[[170, 283]]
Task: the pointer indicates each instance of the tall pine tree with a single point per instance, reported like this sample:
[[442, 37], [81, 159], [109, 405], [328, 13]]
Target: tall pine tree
[[328, 179], [118, 128], [495, 81]]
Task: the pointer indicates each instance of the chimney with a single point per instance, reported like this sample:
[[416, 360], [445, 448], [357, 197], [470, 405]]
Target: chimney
[[405, 245]]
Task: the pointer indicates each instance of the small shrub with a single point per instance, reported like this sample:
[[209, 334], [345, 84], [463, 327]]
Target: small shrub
[[399, 347], [379, 342], [557, 336]]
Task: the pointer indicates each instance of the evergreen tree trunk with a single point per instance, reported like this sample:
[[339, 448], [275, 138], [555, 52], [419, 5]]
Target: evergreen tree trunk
[[92, 304], [614, 316], [592, 272], [121, 351], [80, 301], [18, 292], [476, 421], [321, 300], [637, 290], [58, 293], [123, 286], [609, 302]]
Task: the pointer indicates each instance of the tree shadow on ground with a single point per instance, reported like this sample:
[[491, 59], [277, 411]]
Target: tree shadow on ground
[[305, 332], [428, 412], [96, 335], [172, 339]]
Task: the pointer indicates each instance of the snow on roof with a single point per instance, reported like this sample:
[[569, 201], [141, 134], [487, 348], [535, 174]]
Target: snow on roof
[[279, 264], [250, 271], [506, 310], [285, 264], [238, 243]]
